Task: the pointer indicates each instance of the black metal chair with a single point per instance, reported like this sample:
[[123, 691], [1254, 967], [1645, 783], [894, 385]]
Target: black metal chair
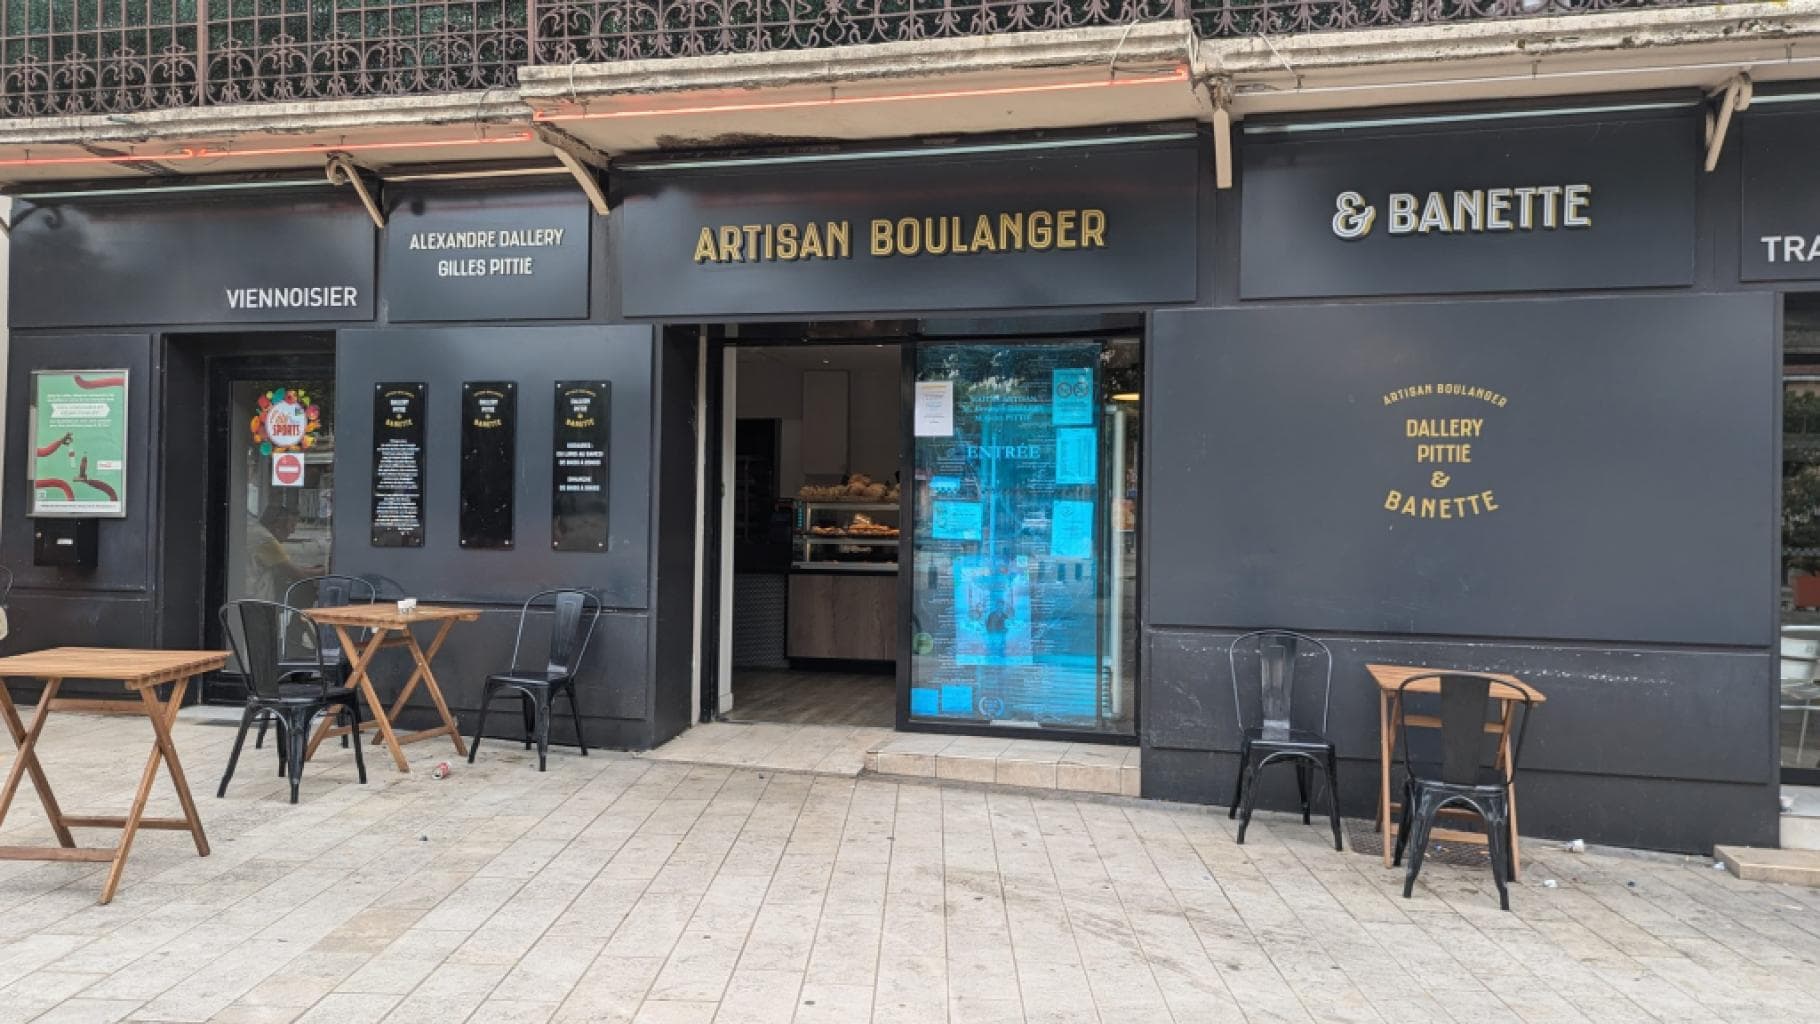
[[255, 630], [573, 615], [1276, 740], [1471, 773], [330, 591]]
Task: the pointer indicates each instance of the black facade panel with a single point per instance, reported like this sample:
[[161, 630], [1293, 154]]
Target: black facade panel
[[534, 357], [1779, 207], [486, 254], [1620, 485], [1653, 713], [126, 560], [241, 259]]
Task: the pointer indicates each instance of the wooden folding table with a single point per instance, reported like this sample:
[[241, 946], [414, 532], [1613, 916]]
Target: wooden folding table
[[137, 670], [390, 627], [1507, 690]]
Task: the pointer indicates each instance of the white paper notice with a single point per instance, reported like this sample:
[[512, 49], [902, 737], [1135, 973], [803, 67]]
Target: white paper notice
[[935, 408]]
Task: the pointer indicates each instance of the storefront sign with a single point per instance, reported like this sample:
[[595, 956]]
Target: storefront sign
[[489, 449], [285, 257], [1780, 217], [1442, 447], [579, 466], [1093, 225], [398, 458], [78, 443], [1493, 210], [488, 255]]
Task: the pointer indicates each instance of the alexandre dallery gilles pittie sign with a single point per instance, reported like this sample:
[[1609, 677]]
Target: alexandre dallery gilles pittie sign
[[1537, 207], [1108, 223], [495, 254]]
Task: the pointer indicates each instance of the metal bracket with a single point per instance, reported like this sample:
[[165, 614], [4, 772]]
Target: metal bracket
[[1219, 90], [342, 170], [1734, 97], [581, 159]]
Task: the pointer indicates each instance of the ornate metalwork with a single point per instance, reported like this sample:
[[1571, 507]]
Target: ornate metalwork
[[119, 56], [262, 50], [96, 56]]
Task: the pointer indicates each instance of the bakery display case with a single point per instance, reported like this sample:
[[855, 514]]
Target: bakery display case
[[834, 535]]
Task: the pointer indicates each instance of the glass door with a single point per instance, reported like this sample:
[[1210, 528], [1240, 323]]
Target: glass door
[[1024, 541], [281, 484]]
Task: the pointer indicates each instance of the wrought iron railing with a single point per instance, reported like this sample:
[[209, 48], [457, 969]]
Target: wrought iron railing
[[120, 56]]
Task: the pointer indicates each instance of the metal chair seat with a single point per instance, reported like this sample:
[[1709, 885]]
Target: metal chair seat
[[1488, 779], [1287, 739], [530, 677]]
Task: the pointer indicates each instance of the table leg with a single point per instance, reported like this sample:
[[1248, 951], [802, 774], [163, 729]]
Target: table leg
[[1516, 856], [1385, 749], [163, 716], [429, 682], [27, 741], [362, 680]]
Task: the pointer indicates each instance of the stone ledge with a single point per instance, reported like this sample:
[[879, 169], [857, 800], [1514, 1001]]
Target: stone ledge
[[1754, 864]]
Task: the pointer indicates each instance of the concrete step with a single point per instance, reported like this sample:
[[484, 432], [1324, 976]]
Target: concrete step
[[1801, 820], [1754, 864], [1028, 764]]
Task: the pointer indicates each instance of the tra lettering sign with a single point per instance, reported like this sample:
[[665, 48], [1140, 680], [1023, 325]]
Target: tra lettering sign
[[1779, 222], [1507, 209]]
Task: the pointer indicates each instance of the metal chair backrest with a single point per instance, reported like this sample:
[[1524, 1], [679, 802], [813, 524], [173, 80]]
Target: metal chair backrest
[[255, 632], [6, 585], [573, 615], [1467, 705], [1277, 652], [331, 591]]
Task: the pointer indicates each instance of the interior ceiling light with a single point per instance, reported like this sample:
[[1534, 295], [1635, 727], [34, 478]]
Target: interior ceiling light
[[1175, 75], [203, 152], [1128, 396]]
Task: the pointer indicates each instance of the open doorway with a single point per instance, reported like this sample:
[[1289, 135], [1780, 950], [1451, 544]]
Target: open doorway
[[811, 496]]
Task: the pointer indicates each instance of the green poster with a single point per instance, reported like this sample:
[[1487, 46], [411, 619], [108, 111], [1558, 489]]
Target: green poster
[[79, 443]]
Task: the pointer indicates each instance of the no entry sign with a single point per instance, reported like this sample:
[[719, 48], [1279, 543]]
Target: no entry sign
[[287, 469]]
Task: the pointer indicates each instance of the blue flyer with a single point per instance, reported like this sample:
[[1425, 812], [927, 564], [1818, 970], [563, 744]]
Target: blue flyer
[[1076, 456], [957, 520], [1071, 529], [1071, 397]]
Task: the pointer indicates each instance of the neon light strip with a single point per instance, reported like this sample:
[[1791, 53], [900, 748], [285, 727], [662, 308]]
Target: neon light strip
[[1175, 76], [206, 153]]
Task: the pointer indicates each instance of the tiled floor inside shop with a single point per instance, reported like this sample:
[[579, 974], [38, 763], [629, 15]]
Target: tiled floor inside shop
[[628, 889]]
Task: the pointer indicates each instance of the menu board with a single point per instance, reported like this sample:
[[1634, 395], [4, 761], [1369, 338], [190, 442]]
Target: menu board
[[398, 410], [1008, 543], [489, 444], [579, 467], [78, 443]]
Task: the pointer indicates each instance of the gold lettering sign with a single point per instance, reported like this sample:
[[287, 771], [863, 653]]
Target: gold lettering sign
[[944, 235], [1442, 446]]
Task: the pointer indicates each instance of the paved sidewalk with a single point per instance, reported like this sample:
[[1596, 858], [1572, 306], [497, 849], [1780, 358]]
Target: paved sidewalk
[[616, 889]]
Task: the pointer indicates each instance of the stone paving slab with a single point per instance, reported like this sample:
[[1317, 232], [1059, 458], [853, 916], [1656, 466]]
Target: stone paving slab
[[622, 889]]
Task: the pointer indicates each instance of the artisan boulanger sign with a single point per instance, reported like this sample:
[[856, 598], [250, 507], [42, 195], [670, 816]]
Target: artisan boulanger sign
[[1779, 238], [1106, 224], [468, 254], [1533, 208], [1442, 448], [292, 256]]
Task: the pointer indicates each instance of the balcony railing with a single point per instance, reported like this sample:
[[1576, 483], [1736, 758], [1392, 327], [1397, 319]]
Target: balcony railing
[[62, 57]]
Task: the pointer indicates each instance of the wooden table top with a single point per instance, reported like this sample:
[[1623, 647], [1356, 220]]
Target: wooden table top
[[1390, 678], [385, 615], [136, 668]]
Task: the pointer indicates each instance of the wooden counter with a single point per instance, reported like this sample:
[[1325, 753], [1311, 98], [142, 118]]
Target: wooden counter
[[843, 614]]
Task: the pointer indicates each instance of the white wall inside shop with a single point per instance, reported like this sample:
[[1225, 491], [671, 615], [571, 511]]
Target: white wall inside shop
[[771, 386]]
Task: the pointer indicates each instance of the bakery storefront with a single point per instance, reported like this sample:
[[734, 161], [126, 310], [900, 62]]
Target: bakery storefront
[[221, 388], [925, 394]]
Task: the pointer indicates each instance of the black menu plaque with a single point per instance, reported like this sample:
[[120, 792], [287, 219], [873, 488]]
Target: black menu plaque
[[398, 410], [578, 472], [489, 440]]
